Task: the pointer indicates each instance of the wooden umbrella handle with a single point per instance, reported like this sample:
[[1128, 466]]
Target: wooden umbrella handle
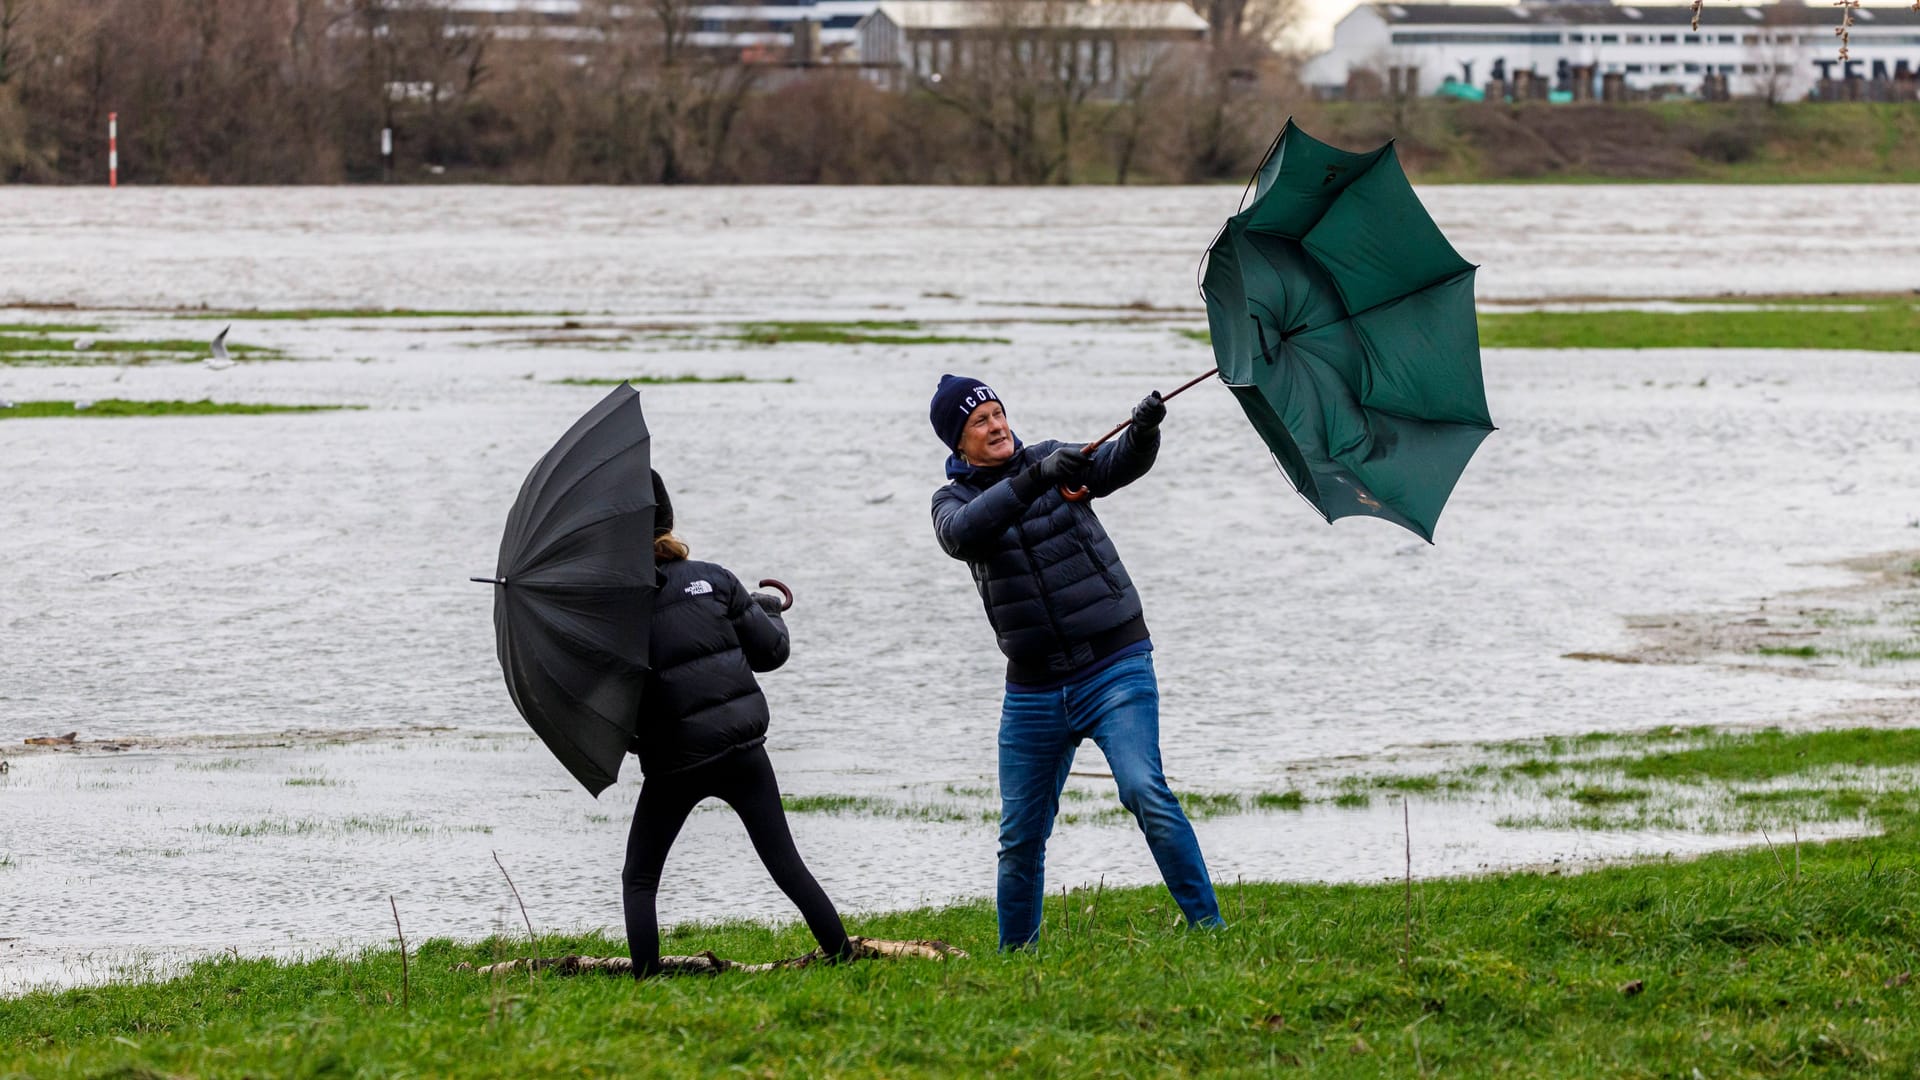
[[1081, 494], [784, 591]]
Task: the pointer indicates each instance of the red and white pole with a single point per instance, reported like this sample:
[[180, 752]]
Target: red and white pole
[[113, 149]]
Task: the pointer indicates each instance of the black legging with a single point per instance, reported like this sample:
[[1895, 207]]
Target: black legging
[[744, 780]]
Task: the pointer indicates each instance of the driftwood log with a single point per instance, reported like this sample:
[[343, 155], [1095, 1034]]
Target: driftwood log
[[708, 964]]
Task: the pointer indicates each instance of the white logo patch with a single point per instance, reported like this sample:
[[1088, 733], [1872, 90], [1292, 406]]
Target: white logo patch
[[699, 588]]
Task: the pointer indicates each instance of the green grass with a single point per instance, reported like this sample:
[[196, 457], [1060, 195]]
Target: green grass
[[1743, 964], [118, 407], [667, 380], [1885, 326], [864, 332], [1789, 959]]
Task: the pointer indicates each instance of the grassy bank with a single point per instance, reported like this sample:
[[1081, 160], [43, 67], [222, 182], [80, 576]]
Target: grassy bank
[[1745, 142], [1752, 963]]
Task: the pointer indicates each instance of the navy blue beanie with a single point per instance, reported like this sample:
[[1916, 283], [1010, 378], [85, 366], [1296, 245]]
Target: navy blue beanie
[[953, 402]]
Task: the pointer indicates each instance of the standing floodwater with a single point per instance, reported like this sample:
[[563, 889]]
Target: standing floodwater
[[259, 575]]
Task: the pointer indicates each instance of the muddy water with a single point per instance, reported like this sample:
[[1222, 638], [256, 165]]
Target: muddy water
[[263, 574]]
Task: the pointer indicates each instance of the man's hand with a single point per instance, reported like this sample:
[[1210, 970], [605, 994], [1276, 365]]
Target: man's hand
[[768, 602], [1151, 410], [1064, 466]]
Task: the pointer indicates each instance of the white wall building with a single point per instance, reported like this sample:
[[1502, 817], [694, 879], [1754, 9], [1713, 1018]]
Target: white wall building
[[1781, 50], [1097, 44]]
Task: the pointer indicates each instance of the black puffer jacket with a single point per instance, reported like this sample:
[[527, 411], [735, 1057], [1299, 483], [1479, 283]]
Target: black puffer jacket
[[1051, 580], [701, 700]]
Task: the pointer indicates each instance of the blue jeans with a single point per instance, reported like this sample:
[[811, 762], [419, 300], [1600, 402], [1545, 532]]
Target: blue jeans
[[1119, 709]]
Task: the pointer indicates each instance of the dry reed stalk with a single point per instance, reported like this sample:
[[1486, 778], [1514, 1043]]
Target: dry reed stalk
[[531, 936], [406, 986], [1697, 5], [1406, 822]]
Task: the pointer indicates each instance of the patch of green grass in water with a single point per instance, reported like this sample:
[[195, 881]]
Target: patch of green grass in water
[[1880, 328], [1204, 337], [281, 827], [1591, 795], [668, 380], [1802, 652], [118, 407], [15, 349], [853, 333], [50, 328], [1352, 800], [316, 314], [1757, 757], [1284, 800]]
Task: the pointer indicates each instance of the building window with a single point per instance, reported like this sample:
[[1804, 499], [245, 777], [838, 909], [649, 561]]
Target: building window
[[1423, 38], [1692, 39], [1636, 39], [1749, 69], [1609, 39], [1728, 69], [1726, 39], [1668, 39], [1577, 39], [1691, 69], [1635, 69], [1666, 69]]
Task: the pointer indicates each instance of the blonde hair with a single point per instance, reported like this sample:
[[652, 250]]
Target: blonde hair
[[669, 548]]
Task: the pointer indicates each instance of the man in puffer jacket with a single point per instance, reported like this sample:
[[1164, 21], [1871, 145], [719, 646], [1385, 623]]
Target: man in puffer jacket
[[1079, 663], [703, 730]]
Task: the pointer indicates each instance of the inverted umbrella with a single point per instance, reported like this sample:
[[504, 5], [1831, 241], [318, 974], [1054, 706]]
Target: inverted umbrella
[[574, 586], [1343, 323]]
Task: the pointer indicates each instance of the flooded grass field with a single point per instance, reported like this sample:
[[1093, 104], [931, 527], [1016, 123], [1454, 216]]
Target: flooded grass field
[[267, 613]]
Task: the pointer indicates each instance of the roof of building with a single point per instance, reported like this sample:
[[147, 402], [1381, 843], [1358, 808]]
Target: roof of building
[[1714, 13], [1153, 15]]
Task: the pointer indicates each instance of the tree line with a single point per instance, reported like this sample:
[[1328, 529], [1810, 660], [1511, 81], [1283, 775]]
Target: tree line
[[299, 91]]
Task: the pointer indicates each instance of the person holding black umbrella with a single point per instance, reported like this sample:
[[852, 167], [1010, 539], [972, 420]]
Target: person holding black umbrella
[[1068, 619], [702, 733]]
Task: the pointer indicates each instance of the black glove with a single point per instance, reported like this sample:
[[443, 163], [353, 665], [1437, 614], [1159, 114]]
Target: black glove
[[1064, 466], [1151, 410], [768, 602]]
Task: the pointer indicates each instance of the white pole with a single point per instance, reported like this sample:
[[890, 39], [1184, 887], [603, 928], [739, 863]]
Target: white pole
[[113, 149]]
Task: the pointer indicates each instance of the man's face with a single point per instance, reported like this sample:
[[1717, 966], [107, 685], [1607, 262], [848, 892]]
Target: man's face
[[987, 440]]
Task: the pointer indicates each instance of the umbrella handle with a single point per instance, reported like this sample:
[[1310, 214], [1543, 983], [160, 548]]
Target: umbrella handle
[[784, 591], [1081, 494]]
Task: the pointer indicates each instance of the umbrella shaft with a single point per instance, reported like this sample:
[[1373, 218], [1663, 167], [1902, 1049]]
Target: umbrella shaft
[[1122, 426]]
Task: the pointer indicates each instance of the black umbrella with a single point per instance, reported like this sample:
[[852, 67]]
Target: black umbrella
[[573, 593]]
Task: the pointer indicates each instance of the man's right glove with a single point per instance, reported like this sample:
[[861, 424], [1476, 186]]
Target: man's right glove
[[1064, 466], [768, 602]]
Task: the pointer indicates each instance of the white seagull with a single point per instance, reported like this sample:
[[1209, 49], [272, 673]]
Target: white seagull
[[218, 361]]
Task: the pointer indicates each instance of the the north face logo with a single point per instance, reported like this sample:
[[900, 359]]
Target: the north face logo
[[699, 588]]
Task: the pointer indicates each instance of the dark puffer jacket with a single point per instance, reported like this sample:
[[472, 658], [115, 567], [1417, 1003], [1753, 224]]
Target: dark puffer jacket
[[1050, 578], [701, 700]]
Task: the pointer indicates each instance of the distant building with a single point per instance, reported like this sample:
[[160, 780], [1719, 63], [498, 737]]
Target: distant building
[[804, 31], [1784, 51], [1097, 44]]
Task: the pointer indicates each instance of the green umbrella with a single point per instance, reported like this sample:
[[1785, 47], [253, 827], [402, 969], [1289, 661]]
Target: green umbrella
[[1343, 322]]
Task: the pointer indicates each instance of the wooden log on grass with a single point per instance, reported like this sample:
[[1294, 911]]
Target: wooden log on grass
[[708, 964]]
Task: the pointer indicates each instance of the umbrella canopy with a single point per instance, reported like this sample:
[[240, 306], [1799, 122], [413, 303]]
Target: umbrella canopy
[[1344, 324], [574, 588]]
